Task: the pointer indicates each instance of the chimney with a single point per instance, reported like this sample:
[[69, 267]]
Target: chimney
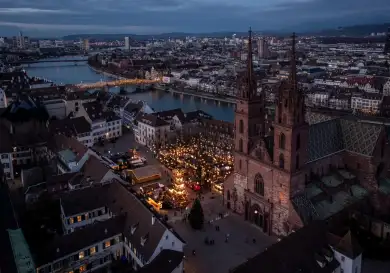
[[105, 231], [58, 250], [153, 219]]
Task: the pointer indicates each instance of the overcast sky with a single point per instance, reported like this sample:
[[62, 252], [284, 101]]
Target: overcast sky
[[61, 17]]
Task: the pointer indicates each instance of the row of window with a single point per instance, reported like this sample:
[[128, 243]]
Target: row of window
[[83, 217], [84, 267]]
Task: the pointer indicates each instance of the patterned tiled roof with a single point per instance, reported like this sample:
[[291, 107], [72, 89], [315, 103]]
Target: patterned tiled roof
[[313, 118], [325, 138], [360, 137], [331, 136]]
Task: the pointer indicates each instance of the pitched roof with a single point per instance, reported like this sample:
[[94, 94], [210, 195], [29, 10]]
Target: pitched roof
[[23, 109], [301, 251], [138, 215], [96, 111], [151, 120], [133, 107], [335, 135], [196, 115], [60, 143], [94, 169], [165, 262], [79, 239], [120, 201], [169, 114], [349, 246], [83, 200], [70, 126]]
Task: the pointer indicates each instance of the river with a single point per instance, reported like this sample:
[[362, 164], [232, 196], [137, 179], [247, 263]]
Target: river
[[69, 73]]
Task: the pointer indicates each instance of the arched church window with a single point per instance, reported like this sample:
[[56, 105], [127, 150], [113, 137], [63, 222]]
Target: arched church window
[[285, 103], [241, 126], [281, 161], [297, 163], [259, 184], [282, 141], [298, 141], [228, 195], [240, 145]]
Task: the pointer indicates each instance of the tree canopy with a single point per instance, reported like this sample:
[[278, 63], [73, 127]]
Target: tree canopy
[[196, 216]]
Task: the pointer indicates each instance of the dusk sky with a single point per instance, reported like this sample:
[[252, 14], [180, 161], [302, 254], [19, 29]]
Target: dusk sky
[[61, 17]]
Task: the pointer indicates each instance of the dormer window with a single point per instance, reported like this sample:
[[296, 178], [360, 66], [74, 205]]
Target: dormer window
[[144, 239], [134, 228]]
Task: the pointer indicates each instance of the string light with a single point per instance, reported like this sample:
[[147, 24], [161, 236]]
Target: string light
[[200, 160]]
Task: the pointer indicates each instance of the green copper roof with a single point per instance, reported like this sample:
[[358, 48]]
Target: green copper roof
[[22, 256]]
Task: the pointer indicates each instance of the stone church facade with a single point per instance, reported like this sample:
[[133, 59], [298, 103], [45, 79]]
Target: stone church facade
[[297, 172]]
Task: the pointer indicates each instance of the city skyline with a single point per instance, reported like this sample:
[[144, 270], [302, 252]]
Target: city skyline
[[46, 18]]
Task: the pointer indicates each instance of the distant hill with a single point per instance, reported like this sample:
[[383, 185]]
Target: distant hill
[[351, 31], [174, 35]]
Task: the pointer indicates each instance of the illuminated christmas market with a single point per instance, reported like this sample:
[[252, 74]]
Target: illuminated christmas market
[[199, 163]]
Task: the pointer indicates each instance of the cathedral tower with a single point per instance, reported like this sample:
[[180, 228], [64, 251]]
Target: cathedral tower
[[249, 114], [290, 128]]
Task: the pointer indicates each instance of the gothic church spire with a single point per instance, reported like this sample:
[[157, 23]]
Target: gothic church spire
[[248, 85]]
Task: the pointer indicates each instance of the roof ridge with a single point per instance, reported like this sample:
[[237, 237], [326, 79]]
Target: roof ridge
[[349, 245]]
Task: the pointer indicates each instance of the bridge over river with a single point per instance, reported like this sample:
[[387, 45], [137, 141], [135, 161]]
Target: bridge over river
[[48, 61]]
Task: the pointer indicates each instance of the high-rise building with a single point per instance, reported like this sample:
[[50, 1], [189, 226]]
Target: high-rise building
[[387, 44], [21, 41], [85, 45], [263, 51], [127, 43]]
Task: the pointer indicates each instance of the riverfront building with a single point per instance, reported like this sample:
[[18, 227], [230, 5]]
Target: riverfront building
[[299, 172]]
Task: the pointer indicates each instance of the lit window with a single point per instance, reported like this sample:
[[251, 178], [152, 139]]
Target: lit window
[[81, 255], [86, 216], [83, 268], [71, 220], [107, 244], [79, 218], [92, 250]]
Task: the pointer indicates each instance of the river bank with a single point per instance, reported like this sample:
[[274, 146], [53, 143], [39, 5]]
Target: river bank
[[158, 100], [107, 74]]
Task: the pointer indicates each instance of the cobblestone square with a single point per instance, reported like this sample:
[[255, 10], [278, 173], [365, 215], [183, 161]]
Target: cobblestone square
[[221, 256]]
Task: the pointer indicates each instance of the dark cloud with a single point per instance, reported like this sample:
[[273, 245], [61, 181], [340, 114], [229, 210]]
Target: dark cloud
[[139, 16]]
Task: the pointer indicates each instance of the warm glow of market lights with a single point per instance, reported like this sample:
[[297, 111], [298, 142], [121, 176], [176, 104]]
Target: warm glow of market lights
[[199, 156]]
